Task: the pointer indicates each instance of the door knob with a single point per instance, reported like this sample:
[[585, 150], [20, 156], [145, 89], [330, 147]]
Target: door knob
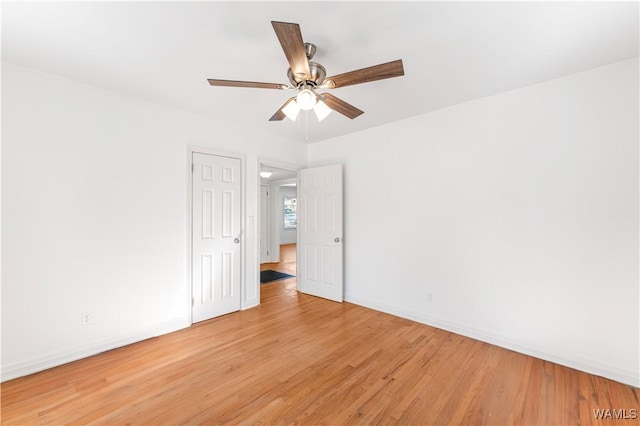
[[337, 240], [236, 240]]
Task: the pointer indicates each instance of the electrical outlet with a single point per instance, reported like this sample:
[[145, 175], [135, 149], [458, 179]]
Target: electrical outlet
[[429, 296], [86, 318]]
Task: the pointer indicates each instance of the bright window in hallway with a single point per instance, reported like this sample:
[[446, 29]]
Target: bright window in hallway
[[290, 213]]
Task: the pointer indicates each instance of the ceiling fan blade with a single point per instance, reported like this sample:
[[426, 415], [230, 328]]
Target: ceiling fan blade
[[280, 115], [254, 84], [364, 75], [291, 41], [340, 106]]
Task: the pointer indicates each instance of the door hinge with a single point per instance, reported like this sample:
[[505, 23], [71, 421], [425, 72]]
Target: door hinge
[[267, 252], [193, 168]]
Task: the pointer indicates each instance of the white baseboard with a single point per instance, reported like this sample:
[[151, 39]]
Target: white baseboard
[[569, 360], [33, 365]]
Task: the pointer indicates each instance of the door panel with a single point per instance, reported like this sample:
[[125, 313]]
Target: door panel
[[216, 219], [320, 225]]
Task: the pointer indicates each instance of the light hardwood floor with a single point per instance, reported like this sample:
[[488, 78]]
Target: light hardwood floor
[[297, 359], [287, 260]]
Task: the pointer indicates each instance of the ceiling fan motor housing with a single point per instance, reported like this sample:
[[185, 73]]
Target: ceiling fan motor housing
[[318, 73]]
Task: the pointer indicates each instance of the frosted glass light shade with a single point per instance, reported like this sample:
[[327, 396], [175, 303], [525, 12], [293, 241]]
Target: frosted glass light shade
[[306, 99], [266, 175], [291, 110], [322, 110]]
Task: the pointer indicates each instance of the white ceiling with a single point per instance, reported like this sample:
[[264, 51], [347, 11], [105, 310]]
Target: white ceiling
[[452, 51]]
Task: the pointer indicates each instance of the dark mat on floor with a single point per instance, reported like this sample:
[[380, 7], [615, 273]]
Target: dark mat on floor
[[269, 275]]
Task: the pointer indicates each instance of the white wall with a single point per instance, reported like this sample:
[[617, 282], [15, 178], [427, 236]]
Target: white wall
[[518, 212], [94, 214], [287, 236]]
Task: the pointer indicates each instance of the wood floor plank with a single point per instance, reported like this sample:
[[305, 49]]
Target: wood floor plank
[[298, 359]]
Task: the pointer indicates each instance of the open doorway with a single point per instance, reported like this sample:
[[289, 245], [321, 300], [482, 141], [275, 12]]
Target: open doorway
[[278, 226]]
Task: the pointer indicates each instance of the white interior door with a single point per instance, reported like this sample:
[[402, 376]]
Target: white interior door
[[320, 232], [264, 224], [216, 219]]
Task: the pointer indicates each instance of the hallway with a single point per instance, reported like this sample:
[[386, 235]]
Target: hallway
[[286, 265]]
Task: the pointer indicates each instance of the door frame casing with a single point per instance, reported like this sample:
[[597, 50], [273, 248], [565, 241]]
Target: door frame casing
[[191, 149]]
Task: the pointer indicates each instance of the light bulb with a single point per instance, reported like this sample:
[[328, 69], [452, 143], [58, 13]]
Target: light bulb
[[291, 110], [322, 110], [306, 99]]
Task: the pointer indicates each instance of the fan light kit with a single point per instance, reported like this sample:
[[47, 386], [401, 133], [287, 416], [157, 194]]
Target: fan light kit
[[307, 76], [306, 99], [291, 109]]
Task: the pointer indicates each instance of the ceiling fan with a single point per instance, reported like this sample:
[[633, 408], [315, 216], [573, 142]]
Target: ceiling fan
[[307, 77]]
